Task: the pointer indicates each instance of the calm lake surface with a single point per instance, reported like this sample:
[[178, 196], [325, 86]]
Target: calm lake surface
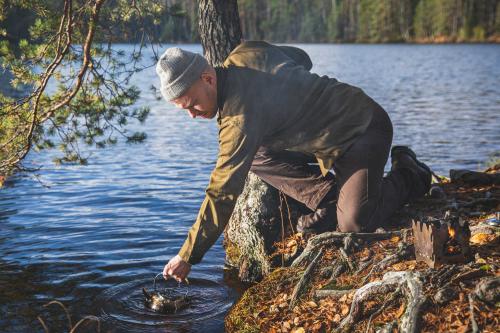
[[102, 232]]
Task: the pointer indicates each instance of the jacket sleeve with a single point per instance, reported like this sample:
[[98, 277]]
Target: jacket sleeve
[[237, 148], [298, 55]]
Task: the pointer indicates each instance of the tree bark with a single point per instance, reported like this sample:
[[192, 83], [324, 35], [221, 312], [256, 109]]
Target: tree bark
[[254, 228], [219, 27]]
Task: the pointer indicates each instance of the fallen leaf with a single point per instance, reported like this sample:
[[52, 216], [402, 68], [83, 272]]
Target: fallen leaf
[[395, 239], [401, 310], [337, 318], [412, 264], [286, 325], [366, 254], [344, 309], [400, 266], [343, 298], [481, 238], [317, 326], [312, 304], [299, 330], [480, 260]]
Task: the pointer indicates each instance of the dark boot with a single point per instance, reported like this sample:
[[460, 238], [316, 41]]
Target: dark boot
[[419, 175], [323, 219]]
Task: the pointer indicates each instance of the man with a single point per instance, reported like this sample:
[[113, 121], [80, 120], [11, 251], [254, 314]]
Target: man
[[275, 118]]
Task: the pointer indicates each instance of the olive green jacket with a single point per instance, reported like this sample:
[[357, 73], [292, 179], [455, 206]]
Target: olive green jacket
[[268, 97]]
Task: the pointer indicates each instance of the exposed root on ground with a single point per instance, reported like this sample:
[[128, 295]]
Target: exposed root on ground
[[336, 238], [409, 283], [304, 283]]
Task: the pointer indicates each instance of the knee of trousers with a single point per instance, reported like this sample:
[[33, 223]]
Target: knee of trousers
[[348, 224], [357, 219]]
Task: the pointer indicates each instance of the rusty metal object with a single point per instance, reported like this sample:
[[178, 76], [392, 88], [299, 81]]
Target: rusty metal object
[[434, 239]]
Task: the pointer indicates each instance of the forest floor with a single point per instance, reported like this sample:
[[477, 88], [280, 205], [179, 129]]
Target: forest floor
[[362, 283]]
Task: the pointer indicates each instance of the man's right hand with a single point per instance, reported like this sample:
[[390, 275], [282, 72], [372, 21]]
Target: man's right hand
[[176, 268]]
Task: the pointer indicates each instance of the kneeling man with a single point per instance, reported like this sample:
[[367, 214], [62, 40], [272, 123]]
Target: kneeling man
[[275, 118]]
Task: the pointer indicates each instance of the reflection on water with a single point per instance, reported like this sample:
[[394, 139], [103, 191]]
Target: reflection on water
[[102, 232], [124, 308]]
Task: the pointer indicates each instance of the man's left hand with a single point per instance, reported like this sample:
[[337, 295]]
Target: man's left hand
[[177, 268]]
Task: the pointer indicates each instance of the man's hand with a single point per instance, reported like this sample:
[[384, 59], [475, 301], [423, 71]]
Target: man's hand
[[176, 268]]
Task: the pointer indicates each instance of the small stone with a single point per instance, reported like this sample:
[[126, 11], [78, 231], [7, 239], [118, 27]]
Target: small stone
[[445, 295], [488, 290]]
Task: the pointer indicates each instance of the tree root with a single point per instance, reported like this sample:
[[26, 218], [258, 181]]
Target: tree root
[[411, 286], [304, 283], [347, 259], [473, 322], [363, 265], [336, 238], [404, 251], [339, 266], [441, 278], [335, 293], [390, 300]]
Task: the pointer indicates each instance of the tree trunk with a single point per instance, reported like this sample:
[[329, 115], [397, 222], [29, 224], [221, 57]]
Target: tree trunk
[[259, 220], [219, 27]]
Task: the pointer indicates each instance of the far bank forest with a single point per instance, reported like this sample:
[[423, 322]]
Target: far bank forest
[[364, 21]]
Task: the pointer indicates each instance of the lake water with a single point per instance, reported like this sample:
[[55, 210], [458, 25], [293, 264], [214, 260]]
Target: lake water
[[102, 232]]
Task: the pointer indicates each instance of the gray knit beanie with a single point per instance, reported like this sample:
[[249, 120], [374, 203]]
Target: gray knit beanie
[[178, 70]]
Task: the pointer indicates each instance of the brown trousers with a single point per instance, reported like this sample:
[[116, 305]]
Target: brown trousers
[[366, 199]]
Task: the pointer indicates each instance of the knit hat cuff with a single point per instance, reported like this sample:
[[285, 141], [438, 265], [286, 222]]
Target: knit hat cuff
[[176, 88]]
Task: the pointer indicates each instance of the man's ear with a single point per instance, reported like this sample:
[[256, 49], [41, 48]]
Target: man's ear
[[208, 77]]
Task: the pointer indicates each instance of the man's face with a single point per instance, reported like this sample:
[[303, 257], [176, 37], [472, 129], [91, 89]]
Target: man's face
[[200, 100]]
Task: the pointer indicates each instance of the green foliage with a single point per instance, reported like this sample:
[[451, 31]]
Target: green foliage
[[425, 19], [370, 21], [478, 34], [90, 100], [353, 20]]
